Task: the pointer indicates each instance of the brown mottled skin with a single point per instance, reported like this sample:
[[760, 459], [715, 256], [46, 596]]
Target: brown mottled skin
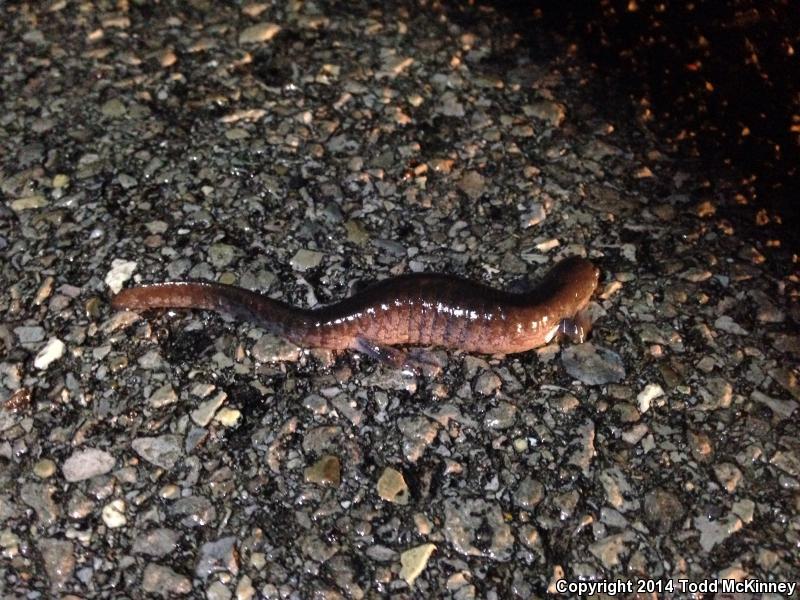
[[417, 309]]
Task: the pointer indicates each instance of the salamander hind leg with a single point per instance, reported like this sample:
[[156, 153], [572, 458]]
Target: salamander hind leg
[[415, 360], [385, 354]]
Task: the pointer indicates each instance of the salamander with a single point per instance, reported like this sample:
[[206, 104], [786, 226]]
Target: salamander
[[412, 310]]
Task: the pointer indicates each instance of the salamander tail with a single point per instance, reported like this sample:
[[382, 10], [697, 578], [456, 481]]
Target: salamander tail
[[273, 315]]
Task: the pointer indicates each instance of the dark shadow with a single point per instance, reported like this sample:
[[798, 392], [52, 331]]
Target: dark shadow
[[720, 78]]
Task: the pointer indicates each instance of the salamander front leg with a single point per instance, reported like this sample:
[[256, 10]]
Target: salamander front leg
[[576, 329]]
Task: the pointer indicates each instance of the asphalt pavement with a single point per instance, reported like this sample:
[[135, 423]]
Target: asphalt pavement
[[303, 150]]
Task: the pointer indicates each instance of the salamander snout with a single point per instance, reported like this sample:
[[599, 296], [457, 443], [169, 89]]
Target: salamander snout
[[577, 273]]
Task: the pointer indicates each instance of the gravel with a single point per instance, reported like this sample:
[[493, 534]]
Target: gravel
[[304, 150]]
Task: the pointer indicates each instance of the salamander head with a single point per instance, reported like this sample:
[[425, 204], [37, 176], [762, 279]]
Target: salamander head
[[575, 280]]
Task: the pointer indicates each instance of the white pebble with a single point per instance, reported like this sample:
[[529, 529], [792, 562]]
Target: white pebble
[[52, 351], [228, 417], [650, 392], [87, 463], [114, 514], [121, 271]]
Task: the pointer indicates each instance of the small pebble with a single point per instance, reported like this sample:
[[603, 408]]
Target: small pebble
[[262, 32], [418, 433], [551, 112], [217, 555], [45, 290], [650, 392], [165, 582], [663, 509], [392, 486], [167, 58], [728, 475], [326, 471], [113, 108], [728, 325], [114, 514], [487, 383], [782, 408], [44, 468], [163, 396], [610, 549], [228, 417], [87, 463], [163, 451], [414, 561], [593, 365], [529, 493], [29, 334], [218, 591], [156, 542], [51, 352], [501, 416], [245, 589], [713, 532], [59, 560], [28, 203], [533, 216], [203, 414], [120, 272], [271, 348], [221, 255], [475, 527], [472, 184], [449, 106], [303, 260]]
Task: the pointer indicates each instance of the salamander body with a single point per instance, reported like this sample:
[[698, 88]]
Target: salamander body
[[416, 310]]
